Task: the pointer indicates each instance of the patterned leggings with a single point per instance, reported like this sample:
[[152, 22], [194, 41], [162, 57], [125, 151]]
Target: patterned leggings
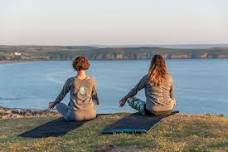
[[138, 105]]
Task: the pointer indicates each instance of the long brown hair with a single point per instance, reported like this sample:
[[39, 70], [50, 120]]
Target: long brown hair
[[158, 71]]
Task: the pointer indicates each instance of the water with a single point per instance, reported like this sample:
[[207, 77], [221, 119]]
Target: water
[[201, 86]]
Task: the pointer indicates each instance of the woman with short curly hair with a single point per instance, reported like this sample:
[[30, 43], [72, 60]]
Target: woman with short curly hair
[[83, 94]]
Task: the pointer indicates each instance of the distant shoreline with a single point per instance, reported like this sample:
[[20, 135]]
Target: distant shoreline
[[50, 53], [25, 61]]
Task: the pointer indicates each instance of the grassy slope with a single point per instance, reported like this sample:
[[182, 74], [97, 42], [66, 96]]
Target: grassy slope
[[176, 133]]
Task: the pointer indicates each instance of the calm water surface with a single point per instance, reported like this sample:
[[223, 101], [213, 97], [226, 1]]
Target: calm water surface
[[201, 86]]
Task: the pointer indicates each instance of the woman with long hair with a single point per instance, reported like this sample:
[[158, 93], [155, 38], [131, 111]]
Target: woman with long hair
[[83, 94], [158, 85]]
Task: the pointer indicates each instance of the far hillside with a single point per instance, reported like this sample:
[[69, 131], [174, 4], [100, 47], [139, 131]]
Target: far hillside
[[11, 53]]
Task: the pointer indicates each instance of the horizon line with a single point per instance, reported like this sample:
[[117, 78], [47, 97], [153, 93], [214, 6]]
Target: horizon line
[[113, 45]]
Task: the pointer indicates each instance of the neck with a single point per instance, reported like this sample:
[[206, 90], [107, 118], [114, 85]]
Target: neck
[[81, 74]]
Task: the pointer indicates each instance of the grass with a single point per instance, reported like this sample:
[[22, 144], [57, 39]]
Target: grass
[[180, 132]]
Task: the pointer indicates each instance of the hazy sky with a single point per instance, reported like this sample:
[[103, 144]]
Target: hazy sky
[[113, 22]]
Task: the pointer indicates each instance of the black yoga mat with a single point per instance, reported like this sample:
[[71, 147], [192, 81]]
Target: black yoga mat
[[134, 123]]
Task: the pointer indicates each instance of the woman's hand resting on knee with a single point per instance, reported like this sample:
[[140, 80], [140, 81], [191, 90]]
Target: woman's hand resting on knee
[[122, 103]]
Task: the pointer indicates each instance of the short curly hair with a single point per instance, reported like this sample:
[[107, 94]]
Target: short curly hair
[[81, 63]]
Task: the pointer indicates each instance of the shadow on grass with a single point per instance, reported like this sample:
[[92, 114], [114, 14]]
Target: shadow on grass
[[55, 128]]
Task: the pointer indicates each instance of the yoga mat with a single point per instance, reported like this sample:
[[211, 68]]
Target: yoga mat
[[135, 123]]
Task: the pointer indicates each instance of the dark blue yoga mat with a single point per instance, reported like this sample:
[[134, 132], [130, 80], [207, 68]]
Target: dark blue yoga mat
[[134, 123]]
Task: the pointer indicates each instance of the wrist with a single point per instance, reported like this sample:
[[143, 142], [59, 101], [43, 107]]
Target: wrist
[[124, 99]]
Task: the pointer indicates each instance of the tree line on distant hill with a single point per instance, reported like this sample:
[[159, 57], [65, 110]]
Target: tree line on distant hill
[[105, 53]]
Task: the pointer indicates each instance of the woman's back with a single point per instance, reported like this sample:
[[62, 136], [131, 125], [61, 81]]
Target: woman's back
[[158, 85], [160, 97], [82, 103], [83, 95]]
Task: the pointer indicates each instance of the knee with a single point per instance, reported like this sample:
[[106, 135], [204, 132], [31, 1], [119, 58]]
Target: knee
[[131, 100], [58, 104]]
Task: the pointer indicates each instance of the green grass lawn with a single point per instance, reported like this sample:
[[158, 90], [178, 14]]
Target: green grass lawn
[[179, 132]]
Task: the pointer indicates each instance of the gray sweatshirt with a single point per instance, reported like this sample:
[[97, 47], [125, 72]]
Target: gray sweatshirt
[[158, 98], [83, 97]]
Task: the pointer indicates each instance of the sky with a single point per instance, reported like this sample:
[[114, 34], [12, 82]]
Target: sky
[[113, 22]]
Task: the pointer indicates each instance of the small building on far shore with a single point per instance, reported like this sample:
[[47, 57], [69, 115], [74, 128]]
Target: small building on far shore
[[15, 55]]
